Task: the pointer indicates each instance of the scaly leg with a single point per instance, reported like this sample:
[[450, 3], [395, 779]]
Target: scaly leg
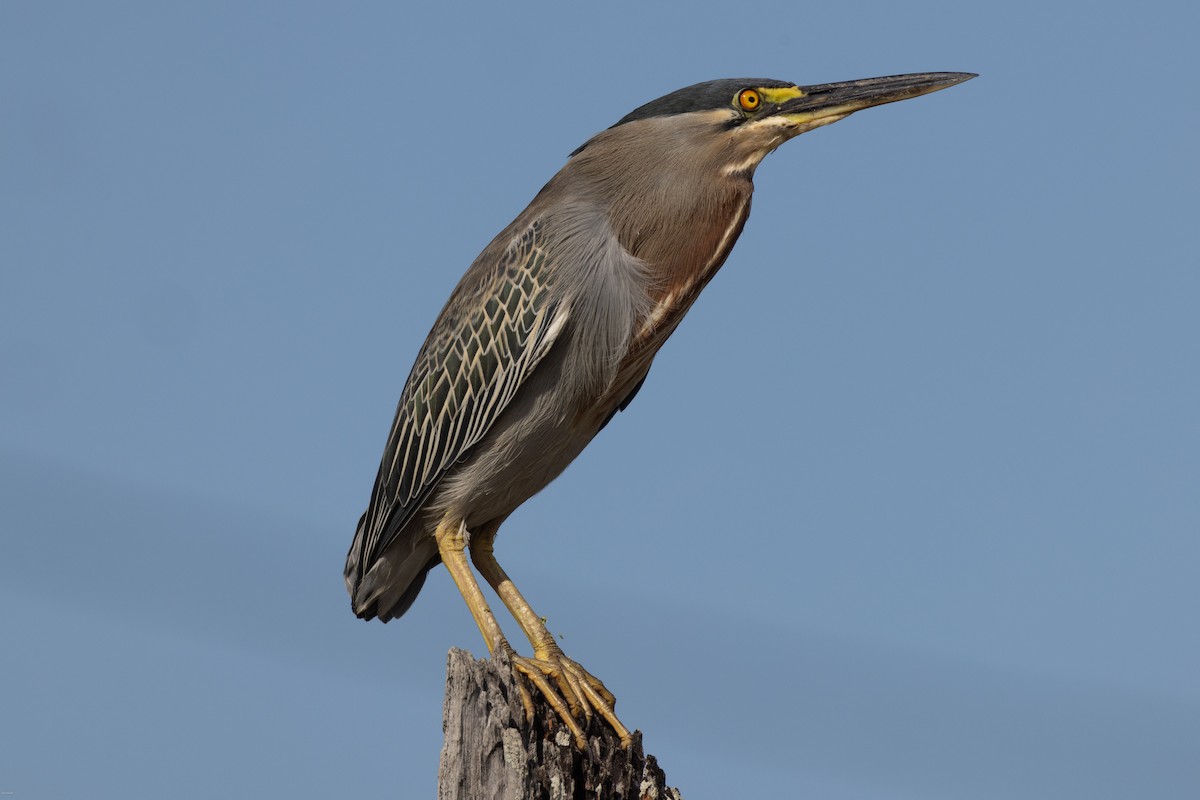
[[451, 540], [582, 691]]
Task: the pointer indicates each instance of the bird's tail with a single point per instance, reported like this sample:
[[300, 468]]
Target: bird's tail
[[387, 588]]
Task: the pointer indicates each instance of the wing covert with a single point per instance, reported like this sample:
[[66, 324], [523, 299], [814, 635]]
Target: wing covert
[[483, 347]]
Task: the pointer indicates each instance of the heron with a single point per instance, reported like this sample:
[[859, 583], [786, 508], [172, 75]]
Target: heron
[[552, 330]]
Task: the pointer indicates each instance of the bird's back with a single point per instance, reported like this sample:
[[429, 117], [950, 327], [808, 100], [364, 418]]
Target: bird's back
[[546, 335], [530, 339]]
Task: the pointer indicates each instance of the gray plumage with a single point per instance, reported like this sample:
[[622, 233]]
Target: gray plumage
[[556, 323], [564, 298]]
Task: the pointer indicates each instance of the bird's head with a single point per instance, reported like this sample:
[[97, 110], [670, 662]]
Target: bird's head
[[736, 122]]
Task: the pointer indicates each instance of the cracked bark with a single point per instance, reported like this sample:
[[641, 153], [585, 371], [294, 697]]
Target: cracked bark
[[490, 753]]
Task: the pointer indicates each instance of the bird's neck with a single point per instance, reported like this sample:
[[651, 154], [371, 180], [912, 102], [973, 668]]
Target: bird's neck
[[678, 215], [686, 256]]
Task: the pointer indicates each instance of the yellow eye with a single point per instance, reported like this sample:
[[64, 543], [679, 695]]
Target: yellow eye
[[749, 100]]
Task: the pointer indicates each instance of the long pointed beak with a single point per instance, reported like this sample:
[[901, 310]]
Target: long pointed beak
[[829, 102]]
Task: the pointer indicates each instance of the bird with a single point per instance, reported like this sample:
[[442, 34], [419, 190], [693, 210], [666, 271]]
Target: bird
[[552, 330]]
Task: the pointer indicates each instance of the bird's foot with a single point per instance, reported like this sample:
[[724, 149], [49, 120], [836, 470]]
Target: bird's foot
[[579, 694]]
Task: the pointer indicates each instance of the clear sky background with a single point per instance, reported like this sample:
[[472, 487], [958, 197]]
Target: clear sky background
[[908, 508]]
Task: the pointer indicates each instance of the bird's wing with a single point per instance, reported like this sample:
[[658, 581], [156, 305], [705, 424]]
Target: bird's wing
[[487, 341]]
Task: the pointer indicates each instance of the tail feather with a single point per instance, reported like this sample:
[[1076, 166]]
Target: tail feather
[[387, 588]]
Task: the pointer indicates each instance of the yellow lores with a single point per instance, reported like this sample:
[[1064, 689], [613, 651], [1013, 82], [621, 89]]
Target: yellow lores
[[782, 95]]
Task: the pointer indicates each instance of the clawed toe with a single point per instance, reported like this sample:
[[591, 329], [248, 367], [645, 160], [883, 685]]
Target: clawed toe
[[579, 694]]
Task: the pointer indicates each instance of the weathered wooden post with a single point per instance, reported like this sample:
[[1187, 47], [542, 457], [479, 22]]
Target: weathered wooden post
[[490, 753]]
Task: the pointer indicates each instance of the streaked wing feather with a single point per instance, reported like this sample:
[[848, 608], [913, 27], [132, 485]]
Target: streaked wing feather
[[476, 358]]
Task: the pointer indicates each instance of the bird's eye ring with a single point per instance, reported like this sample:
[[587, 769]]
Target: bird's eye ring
[[749, 100]]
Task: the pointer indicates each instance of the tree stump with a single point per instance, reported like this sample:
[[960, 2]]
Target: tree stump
[[491, 753]]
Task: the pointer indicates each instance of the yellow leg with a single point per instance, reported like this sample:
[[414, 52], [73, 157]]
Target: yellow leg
[[451, 541], [583, 691]]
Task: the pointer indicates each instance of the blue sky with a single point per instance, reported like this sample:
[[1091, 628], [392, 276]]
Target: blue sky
[[907, 508]]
